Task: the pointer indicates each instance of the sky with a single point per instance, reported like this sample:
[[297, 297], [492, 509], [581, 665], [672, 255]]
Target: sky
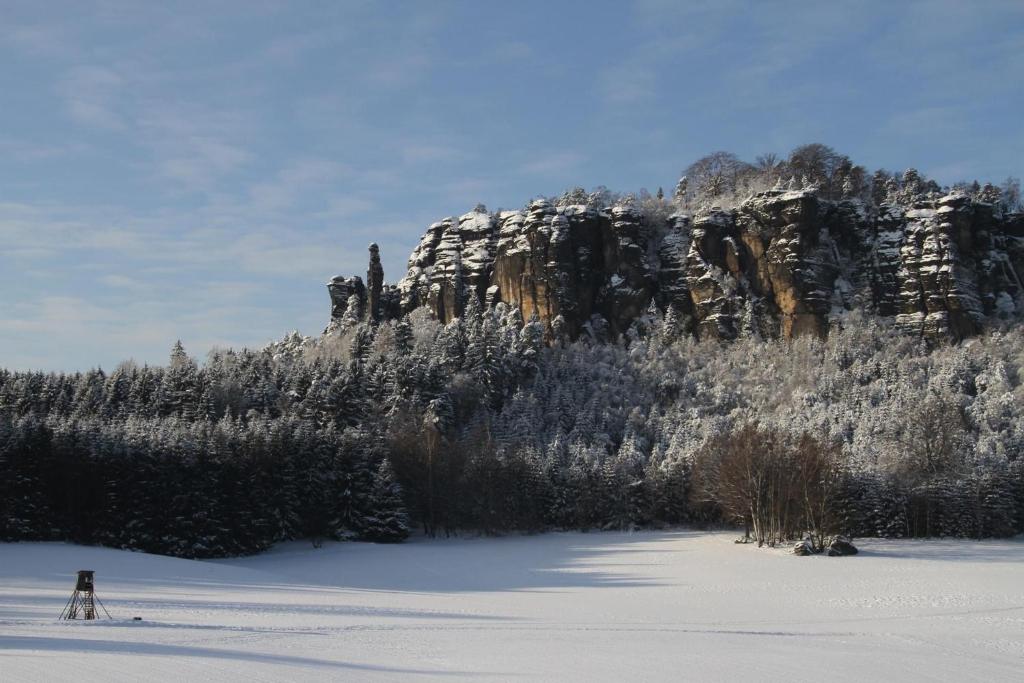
[[198, 171]]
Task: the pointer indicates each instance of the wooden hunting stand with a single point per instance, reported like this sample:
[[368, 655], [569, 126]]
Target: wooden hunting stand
[[83, 600]]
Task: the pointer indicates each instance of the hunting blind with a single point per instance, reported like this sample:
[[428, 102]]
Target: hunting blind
[[83, 601]]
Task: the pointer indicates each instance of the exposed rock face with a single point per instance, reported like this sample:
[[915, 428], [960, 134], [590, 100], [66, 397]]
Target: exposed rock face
[[550, 262], [630, 277], [711, 269], [672, 286], [341, 289], [782, 264], [795, 259], [572, 262], [453, 258], [530, 250]]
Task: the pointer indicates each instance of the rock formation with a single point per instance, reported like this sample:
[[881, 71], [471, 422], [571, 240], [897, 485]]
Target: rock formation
[[375, 283], [342, 289], [784, 263]]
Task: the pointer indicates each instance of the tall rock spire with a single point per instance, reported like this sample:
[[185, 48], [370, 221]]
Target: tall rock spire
[[374, 282]]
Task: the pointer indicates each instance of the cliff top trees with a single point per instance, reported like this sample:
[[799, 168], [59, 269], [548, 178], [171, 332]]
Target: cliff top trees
[[722, 178], [717, 174]]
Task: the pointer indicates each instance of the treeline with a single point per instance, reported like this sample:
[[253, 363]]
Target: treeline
[[723, 179], [193, 488], [784, 486], [478, 426]]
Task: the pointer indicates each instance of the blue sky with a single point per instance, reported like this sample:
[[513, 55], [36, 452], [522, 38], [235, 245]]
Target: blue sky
[[199, 171]]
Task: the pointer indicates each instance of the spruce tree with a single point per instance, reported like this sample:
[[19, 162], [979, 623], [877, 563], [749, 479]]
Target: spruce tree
[[388, 521]]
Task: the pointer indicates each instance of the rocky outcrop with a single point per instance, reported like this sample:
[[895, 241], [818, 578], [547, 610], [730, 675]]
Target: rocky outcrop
[[675, 245], [342, 289], [375, 300], [711, 270], [795, 262], [569, 263], [784, 263], [455, 257]]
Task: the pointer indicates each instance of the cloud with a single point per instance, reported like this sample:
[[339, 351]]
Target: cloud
[[552, 164], [677, 35], [34, 40], [208, 241], [298, 177], [338, 207], [190, 144], [290, 48], [123, 282], [205, 161], [194, 146], [414, 153], [89, 93], [628, 84], [396, 71], [31, 152], [299, 257], [49, 313], [928, 121], [513, 51], [44, 332]]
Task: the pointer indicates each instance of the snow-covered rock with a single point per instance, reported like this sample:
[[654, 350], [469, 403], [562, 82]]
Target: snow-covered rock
[[804, 547], [841, 546], [783, 263]]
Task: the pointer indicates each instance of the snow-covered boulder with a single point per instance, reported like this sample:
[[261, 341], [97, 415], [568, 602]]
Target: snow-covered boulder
[[841, 547], [804, 547]]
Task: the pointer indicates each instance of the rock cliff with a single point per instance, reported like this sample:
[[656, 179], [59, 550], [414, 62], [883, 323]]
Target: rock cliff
[[783, 263]]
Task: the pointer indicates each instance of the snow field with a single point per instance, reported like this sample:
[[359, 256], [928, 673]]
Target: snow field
[[680, 605]]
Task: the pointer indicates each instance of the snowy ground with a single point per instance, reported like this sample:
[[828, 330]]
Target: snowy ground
[[559, 607]]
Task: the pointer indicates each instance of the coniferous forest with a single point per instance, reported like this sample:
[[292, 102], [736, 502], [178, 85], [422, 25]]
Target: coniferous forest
[[488, 423], [477, 426]]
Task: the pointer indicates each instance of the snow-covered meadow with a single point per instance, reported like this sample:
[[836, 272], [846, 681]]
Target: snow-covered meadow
[[681, 605]]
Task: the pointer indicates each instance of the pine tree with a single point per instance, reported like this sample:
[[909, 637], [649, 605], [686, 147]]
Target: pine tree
[[389, 521]]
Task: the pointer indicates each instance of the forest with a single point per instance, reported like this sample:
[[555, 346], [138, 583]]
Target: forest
[[478, 426]]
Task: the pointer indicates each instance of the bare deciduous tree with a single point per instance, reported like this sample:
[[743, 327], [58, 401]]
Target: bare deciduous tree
[[777, 487]]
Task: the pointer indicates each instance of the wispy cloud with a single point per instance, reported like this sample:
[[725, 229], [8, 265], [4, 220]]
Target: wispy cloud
[[628, 84], [89, 93], [29, 152], [415, 153], [513, 51], [34, 40], [556, 163], [205, 160], [928, 121], [299, 177], [192, 145]]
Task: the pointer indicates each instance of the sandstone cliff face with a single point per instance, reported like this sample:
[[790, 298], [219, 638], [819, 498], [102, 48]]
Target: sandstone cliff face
[[454, 258], [782, 264]]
